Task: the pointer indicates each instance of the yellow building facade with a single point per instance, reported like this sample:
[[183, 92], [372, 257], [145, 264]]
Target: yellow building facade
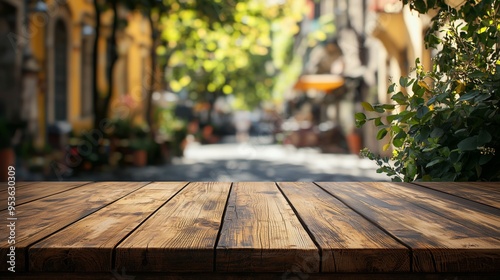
[[61, 40]]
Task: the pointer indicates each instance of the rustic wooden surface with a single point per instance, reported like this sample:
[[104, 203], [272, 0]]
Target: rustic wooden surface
[[36, 191], [121, 275], [66, 250], [365, 249], [438, 243], [41, 218], [262, 233], [181, 236], [3, 185], [233, 230], [485, 193]]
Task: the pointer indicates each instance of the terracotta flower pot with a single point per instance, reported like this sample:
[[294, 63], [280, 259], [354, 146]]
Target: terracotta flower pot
[[7, 158], [140, 158], [354, 143]]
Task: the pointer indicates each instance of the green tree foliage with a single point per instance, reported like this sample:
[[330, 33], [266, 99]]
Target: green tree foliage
[[205, 10], [448, 127], [242, 52]]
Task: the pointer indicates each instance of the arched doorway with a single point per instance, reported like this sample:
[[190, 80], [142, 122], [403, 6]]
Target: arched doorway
[[60, 72]]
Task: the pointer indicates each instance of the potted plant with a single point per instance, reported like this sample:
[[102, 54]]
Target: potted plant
[[140, 144]]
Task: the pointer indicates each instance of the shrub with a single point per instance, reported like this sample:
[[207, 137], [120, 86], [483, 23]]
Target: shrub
[[447, 128]]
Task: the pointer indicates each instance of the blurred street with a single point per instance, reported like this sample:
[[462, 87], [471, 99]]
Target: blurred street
[[120, 90], [253, 161]]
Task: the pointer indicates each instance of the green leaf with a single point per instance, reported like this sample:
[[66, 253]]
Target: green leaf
[[454, 156], [420, 6], [430, 149], [468, 144], [360, 116], [418, 90], [389, 106], [412, 171], [403, 81], [396, 129], [477, 75], [461, 132], [485, 159], [437, 132], [434, 162], [396, 179], [381, 133], [431, 100], [367, 106], [391, 118], [400, 98], [470, 95], [379, 109], [378, 121], [422, 111], [434, 40], [484, 137], [406, 116], [391, 88], [482, 97], [399, 139]]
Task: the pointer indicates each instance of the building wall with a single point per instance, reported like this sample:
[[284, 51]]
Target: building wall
[[10, 56], [392, 38], [401, 32], [134, 44]]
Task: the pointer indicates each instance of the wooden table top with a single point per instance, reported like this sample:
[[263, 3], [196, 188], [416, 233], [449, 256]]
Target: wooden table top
[[280, 230]]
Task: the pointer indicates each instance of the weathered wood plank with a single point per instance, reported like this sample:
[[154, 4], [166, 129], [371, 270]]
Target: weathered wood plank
[[486, 193], [478, 217], [36, 191], [18, 184], [261, 233], [181, 235], [41, 218], [87, 245], [289, 275], [438, 244], [349, 242]]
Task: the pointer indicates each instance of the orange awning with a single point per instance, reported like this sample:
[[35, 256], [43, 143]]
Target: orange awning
[[324, 82]]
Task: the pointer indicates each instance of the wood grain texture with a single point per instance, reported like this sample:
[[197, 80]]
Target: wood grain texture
[[38, 190], [475, 216], [41, 218], [125, 275], [87, 245], [451, 228], [349, 242], [261, 233], [18, 184], [181, 235], [438, 244], [486, 193]]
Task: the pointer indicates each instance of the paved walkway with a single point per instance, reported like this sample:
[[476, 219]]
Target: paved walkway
[[253, 161]]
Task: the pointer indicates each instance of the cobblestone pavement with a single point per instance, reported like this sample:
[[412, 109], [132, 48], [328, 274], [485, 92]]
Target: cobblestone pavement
[[252, 161]]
